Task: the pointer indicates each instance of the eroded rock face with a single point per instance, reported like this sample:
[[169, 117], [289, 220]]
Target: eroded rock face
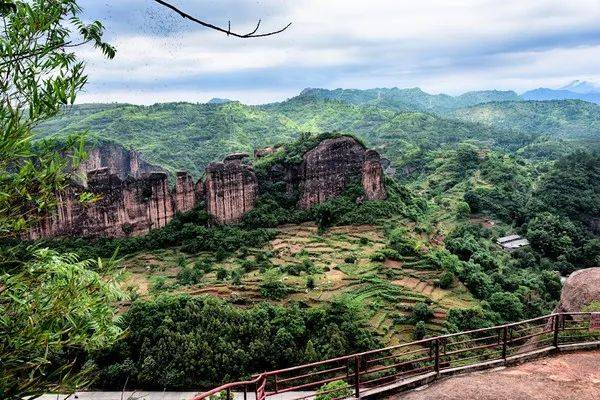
[[119, 161], [332, 165], [129, 207], [581, 288], [184, 195], [230, 189], [372, 176], [132, 202]]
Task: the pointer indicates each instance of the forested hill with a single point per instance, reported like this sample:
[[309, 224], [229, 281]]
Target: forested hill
[[184, 136], [573, 119], [413, 99]]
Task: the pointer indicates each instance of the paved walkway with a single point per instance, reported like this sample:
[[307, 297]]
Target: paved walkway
[[146, 395], [574, 376]]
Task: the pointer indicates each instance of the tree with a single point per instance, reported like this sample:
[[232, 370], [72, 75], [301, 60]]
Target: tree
[[52, 306], [420, 331], [38, 75], [507, 305]]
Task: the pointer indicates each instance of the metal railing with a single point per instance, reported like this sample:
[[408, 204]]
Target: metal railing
[[423, 358]]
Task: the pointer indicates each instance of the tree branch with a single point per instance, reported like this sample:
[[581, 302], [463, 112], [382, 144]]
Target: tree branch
[[227, 31]]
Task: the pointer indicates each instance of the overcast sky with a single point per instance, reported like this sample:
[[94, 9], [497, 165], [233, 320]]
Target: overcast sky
[[449, 46]]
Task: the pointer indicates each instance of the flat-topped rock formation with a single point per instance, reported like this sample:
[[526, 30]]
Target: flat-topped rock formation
[[128, 207], [120, 161], [132, 201], [230, 189], [328, 168]]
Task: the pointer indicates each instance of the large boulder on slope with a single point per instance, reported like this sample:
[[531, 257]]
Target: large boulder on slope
[[581, 288]]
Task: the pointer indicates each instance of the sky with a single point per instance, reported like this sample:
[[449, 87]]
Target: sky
[[441, 46]]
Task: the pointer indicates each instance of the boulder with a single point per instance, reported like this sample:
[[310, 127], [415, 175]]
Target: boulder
[[581, 288]]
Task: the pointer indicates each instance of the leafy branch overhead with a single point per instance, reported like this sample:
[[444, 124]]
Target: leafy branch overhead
[[253, 34]]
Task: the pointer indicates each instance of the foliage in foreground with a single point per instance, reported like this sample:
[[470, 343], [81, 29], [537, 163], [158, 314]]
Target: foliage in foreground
[[52, 308]]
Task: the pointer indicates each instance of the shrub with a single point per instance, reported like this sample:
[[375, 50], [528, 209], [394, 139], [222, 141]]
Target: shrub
[[272, 287], [189, 276], [334, 390], [446, 280], [351, 259], [237, 275], [508, 305], [222, 274], [421, 312], [378, 256], [420, 331], [402, 243], [310, 282]]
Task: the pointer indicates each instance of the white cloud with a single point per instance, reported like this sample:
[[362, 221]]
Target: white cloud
[[439, 45]]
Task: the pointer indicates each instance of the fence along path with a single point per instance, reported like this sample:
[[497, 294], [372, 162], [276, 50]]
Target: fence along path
[[383, 371]]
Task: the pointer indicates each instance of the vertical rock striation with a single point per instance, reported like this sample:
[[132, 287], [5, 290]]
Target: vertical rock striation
[[230, 189], [327, 169], [372, 176], [184, 194], [132, 201]]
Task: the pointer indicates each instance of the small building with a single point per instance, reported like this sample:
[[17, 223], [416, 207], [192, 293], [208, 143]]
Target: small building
[[512, 242]]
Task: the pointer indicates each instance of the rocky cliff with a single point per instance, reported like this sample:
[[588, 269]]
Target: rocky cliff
[[132, 201], [119, 161], [128, 207], [327, 169], [230, 189]]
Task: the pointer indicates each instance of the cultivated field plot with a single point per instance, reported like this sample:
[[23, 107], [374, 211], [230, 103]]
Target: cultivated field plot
[[310, 267]]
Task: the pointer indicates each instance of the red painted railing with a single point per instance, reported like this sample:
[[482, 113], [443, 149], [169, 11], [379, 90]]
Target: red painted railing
[[428, 357]]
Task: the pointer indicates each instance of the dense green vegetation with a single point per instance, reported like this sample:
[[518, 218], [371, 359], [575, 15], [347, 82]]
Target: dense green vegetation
[[182, 136], [181, 342], [52, 305], [574, 119]]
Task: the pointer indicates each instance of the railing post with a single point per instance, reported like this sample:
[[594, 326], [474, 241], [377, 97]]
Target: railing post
[[245, 392], [356, 376], [556, 321], [228, 394], [437, 357], [504, 342]]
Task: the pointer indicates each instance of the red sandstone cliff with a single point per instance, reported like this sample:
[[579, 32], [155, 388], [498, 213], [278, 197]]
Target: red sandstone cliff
[[230, 189], [134, 205], [327, 169], [120, 161], [129, 207]]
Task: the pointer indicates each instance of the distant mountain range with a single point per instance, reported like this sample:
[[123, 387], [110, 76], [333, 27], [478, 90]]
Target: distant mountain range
[[576, 90], [403, 124], [413, 99]]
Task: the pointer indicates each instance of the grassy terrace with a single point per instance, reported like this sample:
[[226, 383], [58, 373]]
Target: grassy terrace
[[339, 261]]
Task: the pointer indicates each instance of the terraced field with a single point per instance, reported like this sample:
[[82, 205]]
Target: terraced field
[[339, 261]]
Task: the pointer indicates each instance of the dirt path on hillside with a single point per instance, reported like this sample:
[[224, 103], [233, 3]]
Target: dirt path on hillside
[[573, 376]]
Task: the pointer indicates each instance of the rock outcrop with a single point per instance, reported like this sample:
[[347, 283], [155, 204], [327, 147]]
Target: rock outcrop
[[119, 161], [230, 189], [581, 288], [132, 200], [184, 194], [372, 176], [332, 165], [129, 207]]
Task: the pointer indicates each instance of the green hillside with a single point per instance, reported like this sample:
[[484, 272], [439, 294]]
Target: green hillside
[[413, 99], [567, 119], [184, 136]]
